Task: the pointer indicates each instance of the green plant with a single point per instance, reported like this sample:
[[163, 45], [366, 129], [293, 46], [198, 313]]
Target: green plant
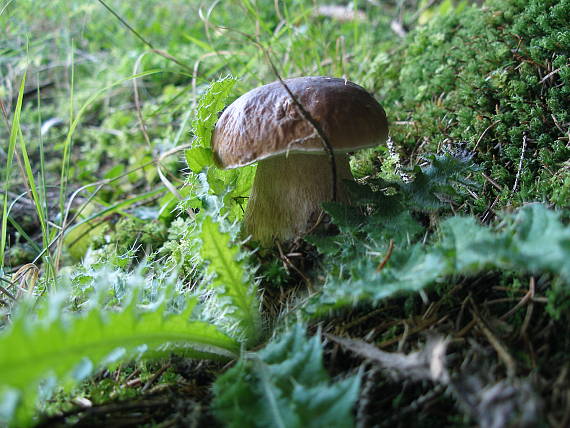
[[14, 134], [69, 354], [364, 268], [234, 287], [496, 77], [58, 347], [233, 184], [285, 385], [71, 346]]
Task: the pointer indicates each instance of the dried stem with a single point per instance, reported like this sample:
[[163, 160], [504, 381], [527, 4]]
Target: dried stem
[[524, 141]]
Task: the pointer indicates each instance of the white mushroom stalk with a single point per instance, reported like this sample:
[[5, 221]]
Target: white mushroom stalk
[[287, 194], [294, 173]]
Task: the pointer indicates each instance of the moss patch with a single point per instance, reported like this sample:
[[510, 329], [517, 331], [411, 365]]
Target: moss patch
[[498, 78]]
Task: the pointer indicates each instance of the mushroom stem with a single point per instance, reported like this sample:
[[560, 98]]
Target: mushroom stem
[[287, 194]]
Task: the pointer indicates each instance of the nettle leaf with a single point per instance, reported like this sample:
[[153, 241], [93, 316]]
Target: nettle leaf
[[233, 284], [58, 346], [285, 385]]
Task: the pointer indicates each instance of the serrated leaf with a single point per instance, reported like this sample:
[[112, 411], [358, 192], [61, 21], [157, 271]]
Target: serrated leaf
[[543, 240], [532, 240], [68, 348], [209, 105], [234, 286], [348, 218], [364, 234], [199, 158], [438, 181], [233, 185], [285, 385], [408, 270]]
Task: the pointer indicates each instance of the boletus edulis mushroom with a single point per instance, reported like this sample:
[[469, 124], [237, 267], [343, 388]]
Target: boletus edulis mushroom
[[294, 173]]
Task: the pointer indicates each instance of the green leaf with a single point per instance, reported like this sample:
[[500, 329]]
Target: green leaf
[[285, 385], [237, 187], [209, 105], [14, 133], [68, 348], [115, 171], [438, 181], [531, 240], [233, 185], [198, 158], [236, 291], [407, 270]]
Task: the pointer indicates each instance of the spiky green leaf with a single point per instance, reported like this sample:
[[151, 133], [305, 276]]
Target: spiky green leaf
[[209, 105], [285, 385], [531, 240], [232, 282], [68, 348]]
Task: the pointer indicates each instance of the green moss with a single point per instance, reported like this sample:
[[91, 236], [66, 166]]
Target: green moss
[[497, 77]]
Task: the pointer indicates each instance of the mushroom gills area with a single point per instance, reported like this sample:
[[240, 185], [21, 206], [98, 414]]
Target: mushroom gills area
[[287, 194]]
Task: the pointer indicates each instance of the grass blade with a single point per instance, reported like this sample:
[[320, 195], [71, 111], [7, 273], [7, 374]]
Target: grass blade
[[14, 132]]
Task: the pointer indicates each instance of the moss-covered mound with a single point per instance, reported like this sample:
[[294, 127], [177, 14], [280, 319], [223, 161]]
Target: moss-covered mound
[[498, 78]]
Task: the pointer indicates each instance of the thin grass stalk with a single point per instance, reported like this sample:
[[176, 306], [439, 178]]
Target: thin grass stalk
[[160, 52], [24, 234], [32, 185], [66, 156], [10, 158], [46, 234], [72, 127]]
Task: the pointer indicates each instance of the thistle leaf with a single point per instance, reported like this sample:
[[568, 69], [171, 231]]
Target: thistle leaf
[[69, 348], [285, 385], [209, 105], [233, 284], [234, 184], [532, 240]]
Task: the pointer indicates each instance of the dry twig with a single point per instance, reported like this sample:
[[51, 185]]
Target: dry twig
[[523, 150], [386, 257], [499, 347]]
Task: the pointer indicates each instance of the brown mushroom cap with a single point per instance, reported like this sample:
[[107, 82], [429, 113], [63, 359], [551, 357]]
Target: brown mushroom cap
[[265, 122]]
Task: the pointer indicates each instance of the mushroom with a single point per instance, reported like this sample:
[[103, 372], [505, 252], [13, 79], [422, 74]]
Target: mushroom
[[294, 174]]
